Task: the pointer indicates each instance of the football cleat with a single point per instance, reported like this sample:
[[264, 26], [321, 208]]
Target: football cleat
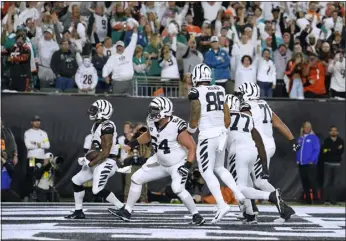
[[250, 219], [275, 198], [121, 213], [220, 214], [197, 219], [77, 214]]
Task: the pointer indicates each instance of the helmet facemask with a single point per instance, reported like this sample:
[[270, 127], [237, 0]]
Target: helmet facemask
[[93, 112], [154, 113]]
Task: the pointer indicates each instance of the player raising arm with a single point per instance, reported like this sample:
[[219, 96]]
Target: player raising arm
[[170, 141]]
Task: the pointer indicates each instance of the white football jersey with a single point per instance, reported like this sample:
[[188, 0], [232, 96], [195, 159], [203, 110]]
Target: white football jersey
[[240, 131], [262, 116], [86, 77], [165, 141], [212, 99], [109, 51], [100, 129], [101, 27]]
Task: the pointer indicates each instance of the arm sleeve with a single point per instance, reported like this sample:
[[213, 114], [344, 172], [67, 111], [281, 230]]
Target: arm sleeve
[[107, 68], [226, 62], [28, 143], [54, 63], [209, 59], [130, 49], [193, 94], [45, 143]]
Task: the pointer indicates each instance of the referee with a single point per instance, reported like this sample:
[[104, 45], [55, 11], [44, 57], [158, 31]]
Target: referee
[[36, 141]]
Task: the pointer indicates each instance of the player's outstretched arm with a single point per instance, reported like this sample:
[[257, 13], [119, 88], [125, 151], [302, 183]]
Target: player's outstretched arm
[[186, 140], [195, 113], [142, 139], [226, 116], [260, 148], [283, 129], [106, 145]]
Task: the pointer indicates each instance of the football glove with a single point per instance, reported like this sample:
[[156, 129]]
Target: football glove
[[295, 145], [184, 169]]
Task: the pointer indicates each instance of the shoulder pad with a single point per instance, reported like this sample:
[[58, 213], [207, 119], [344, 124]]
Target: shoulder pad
[[181, 124], [193, 94], [107, 128], [244, 107]]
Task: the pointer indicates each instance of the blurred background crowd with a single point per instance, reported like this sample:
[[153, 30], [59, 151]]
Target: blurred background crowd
[[291, 49]]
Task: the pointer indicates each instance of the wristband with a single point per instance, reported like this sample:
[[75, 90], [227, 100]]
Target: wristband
[[188, 164], [191, 130], [133, 144]]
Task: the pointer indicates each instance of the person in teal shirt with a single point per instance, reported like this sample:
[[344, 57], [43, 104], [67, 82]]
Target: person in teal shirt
[[141, 66]]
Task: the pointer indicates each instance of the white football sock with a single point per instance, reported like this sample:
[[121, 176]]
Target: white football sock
[[134, 194], [252, 193], [264, 185], [228, 179], [78, 199], [214, 187], [113, 199], [186, 198]]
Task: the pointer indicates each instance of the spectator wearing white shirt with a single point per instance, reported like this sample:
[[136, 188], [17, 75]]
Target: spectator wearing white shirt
[[246, 72], [120, 64], [211, 9], [30, 12], [46, 48], [109, 49], [101, 24], [36, 141], [337, 68], [266, 75], [86, 77]]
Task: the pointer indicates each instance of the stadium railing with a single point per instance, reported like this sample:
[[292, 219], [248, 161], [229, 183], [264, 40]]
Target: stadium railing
[[147, 86]]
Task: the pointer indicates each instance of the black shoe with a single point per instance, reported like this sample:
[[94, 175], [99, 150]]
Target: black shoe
[[287, 212], [121, 213], [250, 219], [275, 198], [77, 214], [241, 216], [197, 219]]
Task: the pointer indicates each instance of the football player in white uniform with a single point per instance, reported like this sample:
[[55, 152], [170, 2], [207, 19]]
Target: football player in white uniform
[[175, 151], [244, 142], [103, 166], [264, 120], [210, 114]]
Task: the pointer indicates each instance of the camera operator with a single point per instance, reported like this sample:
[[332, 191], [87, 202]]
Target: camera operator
[[36, 141], [45, 174], [7, 195], [137, 158]]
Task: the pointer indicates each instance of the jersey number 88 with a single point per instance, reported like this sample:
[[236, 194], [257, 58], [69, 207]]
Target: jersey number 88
[[215, 101]]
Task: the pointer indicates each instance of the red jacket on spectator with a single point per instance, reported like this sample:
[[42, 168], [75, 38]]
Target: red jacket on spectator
[[316, 78]]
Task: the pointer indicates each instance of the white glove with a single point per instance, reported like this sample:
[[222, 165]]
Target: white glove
[[83, 161], [172, 28], [132, 22]]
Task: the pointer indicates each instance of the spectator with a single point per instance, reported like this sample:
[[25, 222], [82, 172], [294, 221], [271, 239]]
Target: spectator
[[314, 71], [307, 158], [246, 72], [109, 49], [137, 159], [99, 60], [185, 85], [118, 21], [337, 69], [86, 77], [153, 22], [294, 74], [36, 141], [8, 143], [46, 48], [211, 9], [266, 75], [151, 51], [121, 66], [99, 22], [7, 166], [64, 66], [203, 40], [281, 58], [218, 60], [192, 29], [192, 57], [168, 61], [332, 150], [141, 66], [124, 139], [18, 59]]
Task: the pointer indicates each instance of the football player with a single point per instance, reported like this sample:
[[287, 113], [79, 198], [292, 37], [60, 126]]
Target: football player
[[210, 113], [244, 142], [103, 166], [264, 121], [175, 151]]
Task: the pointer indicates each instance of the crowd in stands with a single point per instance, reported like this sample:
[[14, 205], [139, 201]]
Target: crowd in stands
[[291, 49]]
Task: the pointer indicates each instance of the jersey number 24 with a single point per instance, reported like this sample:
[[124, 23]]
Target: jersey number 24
[[215, 101]]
